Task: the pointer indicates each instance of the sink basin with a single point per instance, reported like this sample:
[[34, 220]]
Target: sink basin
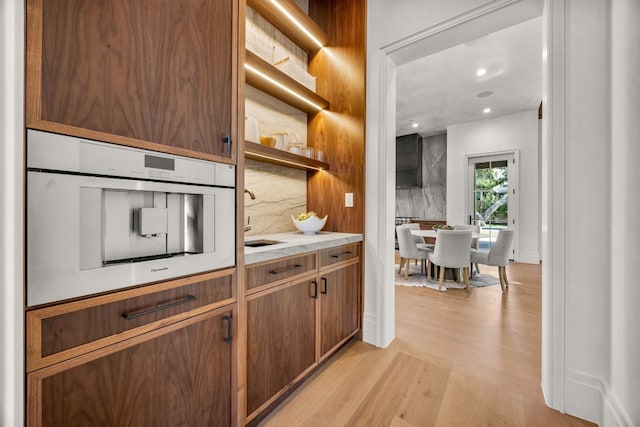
[[260, 243]]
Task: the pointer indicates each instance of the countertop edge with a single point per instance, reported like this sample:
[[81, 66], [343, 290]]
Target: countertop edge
[[295, 244]]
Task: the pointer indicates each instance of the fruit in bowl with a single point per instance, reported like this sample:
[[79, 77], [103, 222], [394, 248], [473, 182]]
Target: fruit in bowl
[[309, 222], [442, 227]]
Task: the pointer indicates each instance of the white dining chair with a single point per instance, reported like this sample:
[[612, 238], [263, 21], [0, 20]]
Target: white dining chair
[[409, 250], [452, 250], [418, 239], [497, 256], [474, 228]]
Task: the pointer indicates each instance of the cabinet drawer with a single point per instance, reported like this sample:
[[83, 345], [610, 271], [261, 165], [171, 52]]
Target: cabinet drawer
[[262, 274], [66, 330], [339, 254]]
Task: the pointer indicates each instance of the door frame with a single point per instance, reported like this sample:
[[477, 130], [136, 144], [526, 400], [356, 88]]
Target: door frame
[[513, 201], [379, 309]]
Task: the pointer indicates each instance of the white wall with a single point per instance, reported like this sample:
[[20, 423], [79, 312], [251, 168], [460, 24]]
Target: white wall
[[588, 157], [513, 132], [625, 204], [11, 213]]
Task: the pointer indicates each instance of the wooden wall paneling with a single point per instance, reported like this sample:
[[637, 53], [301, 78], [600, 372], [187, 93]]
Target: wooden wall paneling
[[114, 71], [340, 132]]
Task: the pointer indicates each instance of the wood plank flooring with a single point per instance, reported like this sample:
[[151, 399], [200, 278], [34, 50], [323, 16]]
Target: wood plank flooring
[[458, 359]]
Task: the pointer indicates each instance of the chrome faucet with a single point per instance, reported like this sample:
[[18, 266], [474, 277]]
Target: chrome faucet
[[253, 197]]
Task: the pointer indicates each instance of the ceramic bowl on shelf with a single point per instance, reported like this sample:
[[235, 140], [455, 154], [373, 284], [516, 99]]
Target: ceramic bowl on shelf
[[311, 225]]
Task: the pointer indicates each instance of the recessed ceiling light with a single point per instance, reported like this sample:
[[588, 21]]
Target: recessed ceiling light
[[415, 125], [485, 94], [486, 110], [481, 72]]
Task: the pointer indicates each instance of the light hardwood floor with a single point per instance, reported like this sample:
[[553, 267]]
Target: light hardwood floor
[[458, 359]]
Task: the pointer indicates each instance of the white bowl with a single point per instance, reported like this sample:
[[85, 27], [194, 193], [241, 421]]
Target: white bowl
[[310, 225]]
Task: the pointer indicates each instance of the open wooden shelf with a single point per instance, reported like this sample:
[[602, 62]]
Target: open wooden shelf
[[266, 154], [279, 20], [267, 78]]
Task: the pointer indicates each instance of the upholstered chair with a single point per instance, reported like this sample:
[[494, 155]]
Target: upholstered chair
[[498, 256], [414, 226], [409, 250], [475, 229], [452, 250]]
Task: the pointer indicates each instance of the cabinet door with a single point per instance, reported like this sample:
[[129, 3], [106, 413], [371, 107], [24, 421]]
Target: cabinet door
[[280, 339], [339, 306], [182, 377], [153, 70]]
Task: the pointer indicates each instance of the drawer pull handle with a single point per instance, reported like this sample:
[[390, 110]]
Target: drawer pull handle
[[342, 254], [229, 337], [286, 269], [324, 285], [129, 316]]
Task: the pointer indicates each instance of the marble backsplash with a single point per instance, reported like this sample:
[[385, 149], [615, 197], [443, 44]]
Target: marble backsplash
[[280, 192], [430, 201]]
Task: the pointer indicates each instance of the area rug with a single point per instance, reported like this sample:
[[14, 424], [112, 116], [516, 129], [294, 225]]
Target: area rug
[[417, 278]]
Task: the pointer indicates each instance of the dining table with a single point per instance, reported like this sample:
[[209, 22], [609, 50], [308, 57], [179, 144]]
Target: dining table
[[434, 234], [450, 274]]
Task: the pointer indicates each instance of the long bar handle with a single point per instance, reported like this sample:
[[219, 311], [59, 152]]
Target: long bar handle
[[324, 285], [315, 290], [342, 254], [286, 269], [229, 337], [133, 315]]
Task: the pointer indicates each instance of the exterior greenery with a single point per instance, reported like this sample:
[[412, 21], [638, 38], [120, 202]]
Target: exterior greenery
[[491, 194]]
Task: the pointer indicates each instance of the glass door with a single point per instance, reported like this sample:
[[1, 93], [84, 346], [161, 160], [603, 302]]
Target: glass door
[[492, 195]]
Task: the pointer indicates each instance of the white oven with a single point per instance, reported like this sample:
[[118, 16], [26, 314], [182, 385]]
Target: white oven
[[102, 217]]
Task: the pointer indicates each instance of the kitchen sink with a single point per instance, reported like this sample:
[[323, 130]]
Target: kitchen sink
[[260, 243]]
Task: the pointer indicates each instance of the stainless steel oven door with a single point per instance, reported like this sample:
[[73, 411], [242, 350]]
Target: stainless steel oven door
[[89, 234]]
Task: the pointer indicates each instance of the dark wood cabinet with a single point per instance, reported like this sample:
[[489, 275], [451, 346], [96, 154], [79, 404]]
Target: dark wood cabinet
[[339, 306], [280, 339], [293, 324], [160, 354], [178, 375], [147, 73]]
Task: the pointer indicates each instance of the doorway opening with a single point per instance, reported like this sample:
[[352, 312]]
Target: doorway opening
[[492, 195]]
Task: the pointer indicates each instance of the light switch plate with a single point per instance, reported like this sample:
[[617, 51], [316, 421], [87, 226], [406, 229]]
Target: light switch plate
[[348, 200]]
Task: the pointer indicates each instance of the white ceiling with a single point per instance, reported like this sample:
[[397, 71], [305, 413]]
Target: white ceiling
[[442, 89]]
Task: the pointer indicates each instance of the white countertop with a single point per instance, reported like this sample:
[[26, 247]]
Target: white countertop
[[294, 243]]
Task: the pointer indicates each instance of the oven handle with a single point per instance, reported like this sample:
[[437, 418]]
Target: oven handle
[[133, 315]]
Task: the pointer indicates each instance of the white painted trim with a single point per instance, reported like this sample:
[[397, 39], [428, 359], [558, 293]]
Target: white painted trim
[[11, 213], [379, 310], [553, 208], [454, 21], [379, 221], [592, 398], [477, 21]]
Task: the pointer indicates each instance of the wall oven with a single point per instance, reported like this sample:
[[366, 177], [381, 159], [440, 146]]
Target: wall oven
[[102, 217]]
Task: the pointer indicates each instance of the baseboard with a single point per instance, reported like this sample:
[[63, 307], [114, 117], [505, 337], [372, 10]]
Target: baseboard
[[529, 257], [613, 414], [369, 328], [590, 398]]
